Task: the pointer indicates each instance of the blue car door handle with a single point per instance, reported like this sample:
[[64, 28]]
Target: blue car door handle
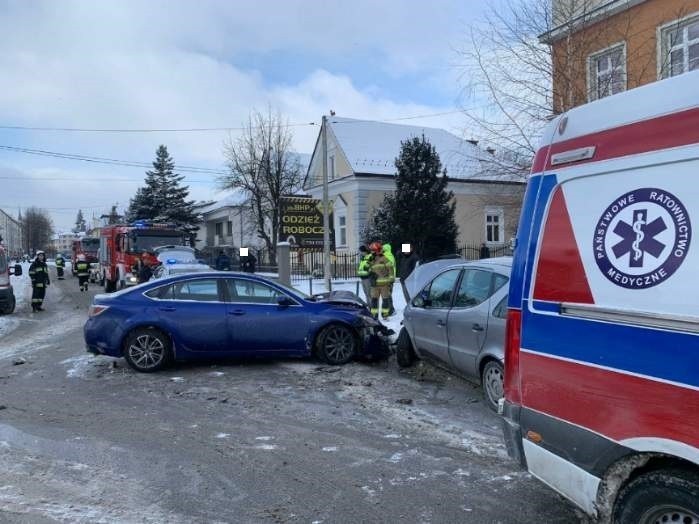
[[237, 312], [477, 327], [167, 309]]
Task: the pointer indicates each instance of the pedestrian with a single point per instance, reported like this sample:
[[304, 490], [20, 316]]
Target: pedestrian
[[145, 273], [39, 275], [406, 264], [363, 271], [82, 269], [60, 266], [388, 253], [485, 251], [251, 263], [382, 278], [223, 262]]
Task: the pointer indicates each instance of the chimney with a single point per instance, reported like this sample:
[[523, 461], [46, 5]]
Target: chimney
[[472, 141], [490, 150]]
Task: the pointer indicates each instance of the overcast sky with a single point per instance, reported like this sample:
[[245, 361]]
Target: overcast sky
[[173, 64]]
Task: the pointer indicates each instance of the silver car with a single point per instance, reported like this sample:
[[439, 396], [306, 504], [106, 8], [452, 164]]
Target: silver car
[[457, 320]]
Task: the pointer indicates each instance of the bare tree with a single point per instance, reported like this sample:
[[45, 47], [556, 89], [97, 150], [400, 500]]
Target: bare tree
[[528, 62], [37, 229], [263, 165]]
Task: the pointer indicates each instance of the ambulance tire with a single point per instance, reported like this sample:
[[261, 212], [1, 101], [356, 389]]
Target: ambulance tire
[[659, 496], [405, 354]]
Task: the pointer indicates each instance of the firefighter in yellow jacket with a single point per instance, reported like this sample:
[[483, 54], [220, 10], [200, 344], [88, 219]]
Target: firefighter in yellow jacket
[[382, 277]]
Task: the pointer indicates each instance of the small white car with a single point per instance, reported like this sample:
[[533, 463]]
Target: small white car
[[176, 260]]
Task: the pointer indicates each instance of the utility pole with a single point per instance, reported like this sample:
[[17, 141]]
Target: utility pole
[[326, 214]]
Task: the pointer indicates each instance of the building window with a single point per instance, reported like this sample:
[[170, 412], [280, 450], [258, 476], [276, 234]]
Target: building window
[[494, 226], [219, 229], [341, 230], [229, 228], [332, 167], [607, 72], [679, 49]]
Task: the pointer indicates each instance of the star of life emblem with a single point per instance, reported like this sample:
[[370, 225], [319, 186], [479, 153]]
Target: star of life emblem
[[642, 238]]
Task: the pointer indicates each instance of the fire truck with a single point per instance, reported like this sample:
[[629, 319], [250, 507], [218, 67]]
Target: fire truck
[[122, 245], [87, 246]]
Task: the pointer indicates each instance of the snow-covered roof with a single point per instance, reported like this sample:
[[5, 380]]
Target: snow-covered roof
[[233, 199], [372, 147]]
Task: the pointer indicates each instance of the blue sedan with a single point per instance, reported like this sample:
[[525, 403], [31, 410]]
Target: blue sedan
[[209, 315]]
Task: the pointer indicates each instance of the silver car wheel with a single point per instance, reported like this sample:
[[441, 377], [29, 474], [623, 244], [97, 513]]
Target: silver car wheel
[[493, 383]]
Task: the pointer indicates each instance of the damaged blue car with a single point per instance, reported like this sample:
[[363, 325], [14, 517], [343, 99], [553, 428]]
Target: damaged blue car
[[212, 315]]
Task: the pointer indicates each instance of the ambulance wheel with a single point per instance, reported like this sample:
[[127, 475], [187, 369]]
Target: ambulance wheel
[[493, 383], [10, 308], [147, 350], [405, 354], [659, 496]]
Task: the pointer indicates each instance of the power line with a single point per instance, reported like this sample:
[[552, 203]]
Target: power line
[[108, 161], [164, 130], [81, 181], [204, 129]]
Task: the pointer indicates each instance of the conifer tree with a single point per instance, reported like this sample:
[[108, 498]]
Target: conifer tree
[[421, 211], [80, 225], [163, 198]]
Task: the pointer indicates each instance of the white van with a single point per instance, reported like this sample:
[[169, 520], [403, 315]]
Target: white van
[[602, 346]]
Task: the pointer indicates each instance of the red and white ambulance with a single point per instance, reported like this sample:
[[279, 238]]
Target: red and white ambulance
[[602, 356]]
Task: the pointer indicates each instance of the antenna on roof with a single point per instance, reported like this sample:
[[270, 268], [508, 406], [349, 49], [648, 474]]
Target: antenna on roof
[[332, 113]]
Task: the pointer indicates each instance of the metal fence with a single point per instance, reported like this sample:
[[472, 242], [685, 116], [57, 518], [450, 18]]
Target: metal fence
[[476, 252], [309, 264]]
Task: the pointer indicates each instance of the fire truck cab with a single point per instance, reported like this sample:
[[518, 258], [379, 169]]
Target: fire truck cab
[[7, 296], [87, 246], [122, 245]]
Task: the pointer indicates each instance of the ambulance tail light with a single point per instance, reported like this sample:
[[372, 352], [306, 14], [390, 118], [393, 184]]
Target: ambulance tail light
[[513, 387]]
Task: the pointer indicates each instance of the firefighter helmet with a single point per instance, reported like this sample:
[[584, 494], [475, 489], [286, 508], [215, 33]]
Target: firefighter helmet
[[375, 247]]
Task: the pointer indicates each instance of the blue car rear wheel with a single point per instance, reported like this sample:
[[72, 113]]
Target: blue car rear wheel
[[337, 344], [147, 350]]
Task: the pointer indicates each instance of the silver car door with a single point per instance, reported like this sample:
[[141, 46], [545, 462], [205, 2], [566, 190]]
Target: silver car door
[[467, 324], [428, 315]]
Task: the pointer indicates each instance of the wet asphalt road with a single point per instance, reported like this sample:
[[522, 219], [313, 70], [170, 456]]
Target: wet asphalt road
[[85, 439]]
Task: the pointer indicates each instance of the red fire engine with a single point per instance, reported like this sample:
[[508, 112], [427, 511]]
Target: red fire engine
[[122, 245], [87, 246]]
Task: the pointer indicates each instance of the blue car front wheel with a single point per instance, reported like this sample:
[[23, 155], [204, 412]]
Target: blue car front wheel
[[337, 344]]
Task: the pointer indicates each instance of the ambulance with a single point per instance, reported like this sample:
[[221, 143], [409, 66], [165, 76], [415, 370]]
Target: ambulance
[[602, 346]]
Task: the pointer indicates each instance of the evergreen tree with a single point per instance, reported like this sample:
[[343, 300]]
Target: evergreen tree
[[421, 211], [163, 198], [80, 225]]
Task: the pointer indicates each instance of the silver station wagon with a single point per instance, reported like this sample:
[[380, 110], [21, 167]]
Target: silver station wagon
[[457, 320]]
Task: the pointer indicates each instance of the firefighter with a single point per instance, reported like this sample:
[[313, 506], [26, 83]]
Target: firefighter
[[39, 274], [388, 253], [82, 269], [363, 271], [382, 277], [60, 266]]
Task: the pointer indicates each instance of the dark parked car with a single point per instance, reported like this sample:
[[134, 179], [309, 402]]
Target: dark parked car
[[208, 315], [458, 320]]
